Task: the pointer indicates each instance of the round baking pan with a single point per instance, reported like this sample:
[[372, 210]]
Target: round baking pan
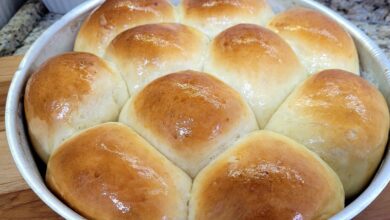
[[60, 38]]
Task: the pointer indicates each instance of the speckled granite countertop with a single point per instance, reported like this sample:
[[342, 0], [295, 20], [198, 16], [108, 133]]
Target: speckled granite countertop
[[13, 34], [372, 16], [43, 24]]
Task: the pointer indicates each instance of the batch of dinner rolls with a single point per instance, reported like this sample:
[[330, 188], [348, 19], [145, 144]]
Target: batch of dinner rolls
[[210, 109]]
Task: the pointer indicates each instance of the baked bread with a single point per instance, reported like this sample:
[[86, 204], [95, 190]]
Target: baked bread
[[257, 63], [115, 16], [68, 93], [266, 176], [110, 172], [189, 116], [342, 118], [147, 52], [319, 41], [203, 77], [214, 16]]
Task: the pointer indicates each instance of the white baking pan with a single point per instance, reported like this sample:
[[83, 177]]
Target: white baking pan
[[60, 38]]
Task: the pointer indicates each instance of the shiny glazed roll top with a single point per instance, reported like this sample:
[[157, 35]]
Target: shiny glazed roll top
[[342, 118], [266, 176], [115, 16], [189, 116], [319, 41], [214, 16], [68, 93], [110, 172], [257, 63], [147, 52]]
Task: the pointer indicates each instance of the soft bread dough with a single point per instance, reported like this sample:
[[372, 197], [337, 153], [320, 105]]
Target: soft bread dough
[[341, 117], [319, 42], [189, 116], [110, 172], [257, 63], [115, 16], [68, 93], [266, 176], [146, 52], [214, 16]]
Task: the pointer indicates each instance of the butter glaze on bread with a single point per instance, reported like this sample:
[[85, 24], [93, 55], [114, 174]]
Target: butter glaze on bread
[[204, 76], [147, 52], [266, 176], [115, 16], [110, 172], [214, 16], [341, 117], [257, 63], [189, 116], [319, 41], [68, 93]]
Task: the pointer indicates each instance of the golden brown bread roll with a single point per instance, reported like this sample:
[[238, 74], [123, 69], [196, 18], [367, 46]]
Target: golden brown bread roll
[[115, 16], [193, 118], [342, 118], [67, 93], [266, 176], [110, 172], [257, 63], [319, 42], [214, 16], [147, 52], [189, 116]]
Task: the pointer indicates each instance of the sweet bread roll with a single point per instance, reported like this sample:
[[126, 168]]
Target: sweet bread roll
[[319, 42], [67, 93], [110, 172], [214, 16], [257, 63], [115, 16], [189, 116], [266, 176], [342, 118], [147, 52]]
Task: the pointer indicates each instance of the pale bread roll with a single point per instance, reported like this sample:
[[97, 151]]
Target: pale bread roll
[[257, 63], [189, 116], [67, 93], [266, 176], [147, 52], [214, 16], [319, 41], [342, 118], [110, 172], [115, 16]]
